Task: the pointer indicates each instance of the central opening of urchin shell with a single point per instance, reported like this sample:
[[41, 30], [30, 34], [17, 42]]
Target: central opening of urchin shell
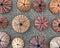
[[38, 45], [21, 24], [23, 3], [1, 4], [58, 25], [17, 44], [58, 5], [40, 5], [0, 40], [41, 23], [0, 22]]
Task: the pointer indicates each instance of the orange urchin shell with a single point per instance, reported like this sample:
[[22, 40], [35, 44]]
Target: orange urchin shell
[[23, 5], [56, 24], [20, 23], [5, 6], [55, 6], [18, 43]]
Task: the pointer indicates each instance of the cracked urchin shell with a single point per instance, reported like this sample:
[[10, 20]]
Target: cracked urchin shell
[[39, 5], [55, 6], [18, 43], [5, 6], [37, 42], [56, 24], [55, 42], [4, 40], [21, 23], [41, 23], [23, 5]]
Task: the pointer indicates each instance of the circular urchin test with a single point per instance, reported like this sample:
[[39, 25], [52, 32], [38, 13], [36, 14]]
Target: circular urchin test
[[41, 23], [37, 42], [23, 5], [56, 24], [55, 42], [21, 23], [4, 40], [39, 5], [55, 6], [5, 6], [18, 43]]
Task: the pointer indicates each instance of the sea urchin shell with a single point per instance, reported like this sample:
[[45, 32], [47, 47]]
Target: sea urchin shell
[[5, 6], [23, 5], [39, 5], [41, 23], [56, 24], [37, 42], [21, 23], [4, 40], [55, 6]]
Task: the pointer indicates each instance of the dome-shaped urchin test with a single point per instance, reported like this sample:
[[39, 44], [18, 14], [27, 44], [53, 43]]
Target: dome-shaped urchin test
[[56, 24], [55, 42], [41, 23], [5, 6], [55, 6], [39, 5], [23, 5], [21, 23], [18, 43], [37, 42], [4, 40]]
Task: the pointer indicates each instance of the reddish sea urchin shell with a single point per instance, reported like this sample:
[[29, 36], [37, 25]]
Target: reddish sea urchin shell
[[5, 6], [37, 42], [3, 22], [39, 5], [41, 23], [56, 24]]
